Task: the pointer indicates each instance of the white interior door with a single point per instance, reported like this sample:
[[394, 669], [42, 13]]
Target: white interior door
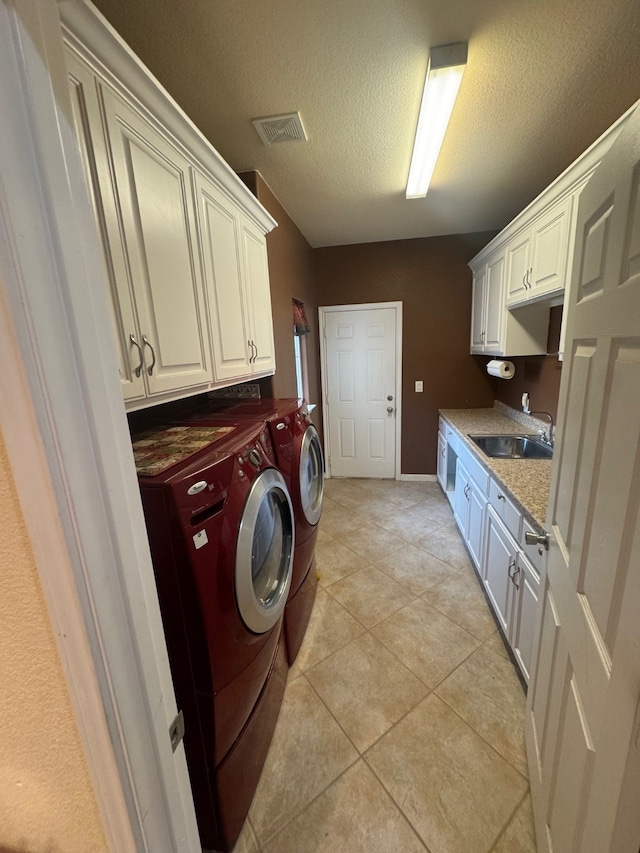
[[361, 390], [583, 706]]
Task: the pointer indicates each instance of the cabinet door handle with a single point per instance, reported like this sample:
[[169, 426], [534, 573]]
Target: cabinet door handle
[[529, 273], [514, 575], [500, 496], [466, 491], [255, 357], [147, 343], [137, 370]]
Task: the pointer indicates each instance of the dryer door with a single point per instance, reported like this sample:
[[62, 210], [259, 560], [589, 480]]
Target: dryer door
[[311, 475], [264, 555]]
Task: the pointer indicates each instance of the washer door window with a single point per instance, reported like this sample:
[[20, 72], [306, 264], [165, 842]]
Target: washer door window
[[264, 554], [311, 475]]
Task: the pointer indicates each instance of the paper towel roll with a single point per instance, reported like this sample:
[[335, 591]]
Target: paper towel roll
[[501, 369]]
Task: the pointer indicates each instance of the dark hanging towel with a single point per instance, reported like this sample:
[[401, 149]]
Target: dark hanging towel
[[300, 323]]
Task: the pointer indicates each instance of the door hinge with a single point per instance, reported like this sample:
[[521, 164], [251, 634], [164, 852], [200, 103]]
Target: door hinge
[[176, 730]]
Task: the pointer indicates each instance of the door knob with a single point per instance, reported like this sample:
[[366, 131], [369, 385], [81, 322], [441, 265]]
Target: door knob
[[534, 539], [390, 409]]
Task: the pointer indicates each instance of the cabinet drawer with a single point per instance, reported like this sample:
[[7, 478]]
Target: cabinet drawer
[[475, 470], [536, 554], [505, 509]]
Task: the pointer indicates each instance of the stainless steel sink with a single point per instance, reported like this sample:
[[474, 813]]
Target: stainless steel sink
[[512, 446]]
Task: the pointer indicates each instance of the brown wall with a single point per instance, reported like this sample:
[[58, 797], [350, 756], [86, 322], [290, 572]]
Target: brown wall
[[431, 278], [538, 375], [291, 275]]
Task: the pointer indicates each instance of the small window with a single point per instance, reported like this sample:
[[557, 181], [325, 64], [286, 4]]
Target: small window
[[301, 329], [302, 372]]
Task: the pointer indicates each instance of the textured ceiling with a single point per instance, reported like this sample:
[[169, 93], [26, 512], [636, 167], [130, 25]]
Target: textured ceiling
[[544, 79]]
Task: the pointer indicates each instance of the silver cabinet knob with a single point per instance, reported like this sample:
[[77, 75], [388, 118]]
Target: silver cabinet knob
[[390, 409], [390, 397]]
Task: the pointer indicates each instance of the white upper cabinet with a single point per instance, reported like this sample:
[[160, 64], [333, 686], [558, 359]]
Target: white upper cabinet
[[537, 252], [479, 309], [151, 184], [496, 331], [538, 256], [518, 256], [124, 322], [184, 239], [259, 298], [236, 274], [139, 183]]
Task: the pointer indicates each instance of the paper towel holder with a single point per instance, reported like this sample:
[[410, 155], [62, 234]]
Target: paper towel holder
[[501, 368]]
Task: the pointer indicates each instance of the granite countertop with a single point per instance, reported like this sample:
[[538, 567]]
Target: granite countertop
[[526, 480]]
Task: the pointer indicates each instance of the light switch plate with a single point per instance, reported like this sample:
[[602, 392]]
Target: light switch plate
[[419, 386]]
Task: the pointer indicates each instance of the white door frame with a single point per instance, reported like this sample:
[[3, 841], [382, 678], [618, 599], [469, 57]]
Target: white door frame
[[364, 306], [63, 420]]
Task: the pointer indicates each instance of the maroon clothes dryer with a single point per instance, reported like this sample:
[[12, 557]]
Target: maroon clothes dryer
[[298, 455], [221, 531]]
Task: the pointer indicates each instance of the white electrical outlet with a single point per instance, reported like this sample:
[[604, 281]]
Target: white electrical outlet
[[419, 386]]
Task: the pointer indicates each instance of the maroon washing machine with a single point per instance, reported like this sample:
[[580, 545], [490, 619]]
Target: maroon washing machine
[[222, 531], [298, 455]]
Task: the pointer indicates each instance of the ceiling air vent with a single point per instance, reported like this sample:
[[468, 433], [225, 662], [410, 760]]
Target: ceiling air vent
[[284, 128]]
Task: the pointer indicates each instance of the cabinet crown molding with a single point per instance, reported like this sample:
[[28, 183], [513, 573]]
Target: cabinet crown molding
[[573, 177], [89, 33]]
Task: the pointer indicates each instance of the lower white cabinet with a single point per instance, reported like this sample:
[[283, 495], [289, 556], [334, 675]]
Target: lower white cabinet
[[441, 466], [468, 509], [524, 611], [493, 530], [499, 570], [512, 585], [475, 521]]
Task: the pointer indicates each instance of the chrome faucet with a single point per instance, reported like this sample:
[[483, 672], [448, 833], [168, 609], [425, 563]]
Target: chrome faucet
[[547, 437]]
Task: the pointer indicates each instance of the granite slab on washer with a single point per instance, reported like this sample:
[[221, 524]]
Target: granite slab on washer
[[526, 480]]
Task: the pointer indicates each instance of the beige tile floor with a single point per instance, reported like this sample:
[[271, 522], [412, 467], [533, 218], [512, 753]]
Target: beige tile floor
[[401, 728]]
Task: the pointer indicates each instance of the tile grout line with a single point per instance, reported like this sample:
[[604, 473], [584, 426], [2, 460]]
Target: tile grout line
[[480, 735], [272, 837], [394, 724], [508, 822]]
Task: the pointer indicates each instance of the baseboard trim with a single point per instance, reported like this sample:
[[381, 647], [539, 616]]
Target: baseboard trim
[[419, 478]]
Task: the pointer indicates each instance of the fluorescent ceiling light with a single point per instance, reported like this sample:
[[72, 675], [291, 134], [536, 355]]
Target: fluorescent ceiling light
[[444, 73]]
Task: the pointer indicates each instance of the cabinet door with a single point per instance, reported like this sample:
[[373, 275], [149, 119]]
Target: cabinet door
[[219, 230], [461, 500], [88, 126], [259, 298], [153, 193], [495, 310], [499, 564], [442, 461], [478, 310], [550, 249], [517, 258], [475, 522], [524, 614]]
